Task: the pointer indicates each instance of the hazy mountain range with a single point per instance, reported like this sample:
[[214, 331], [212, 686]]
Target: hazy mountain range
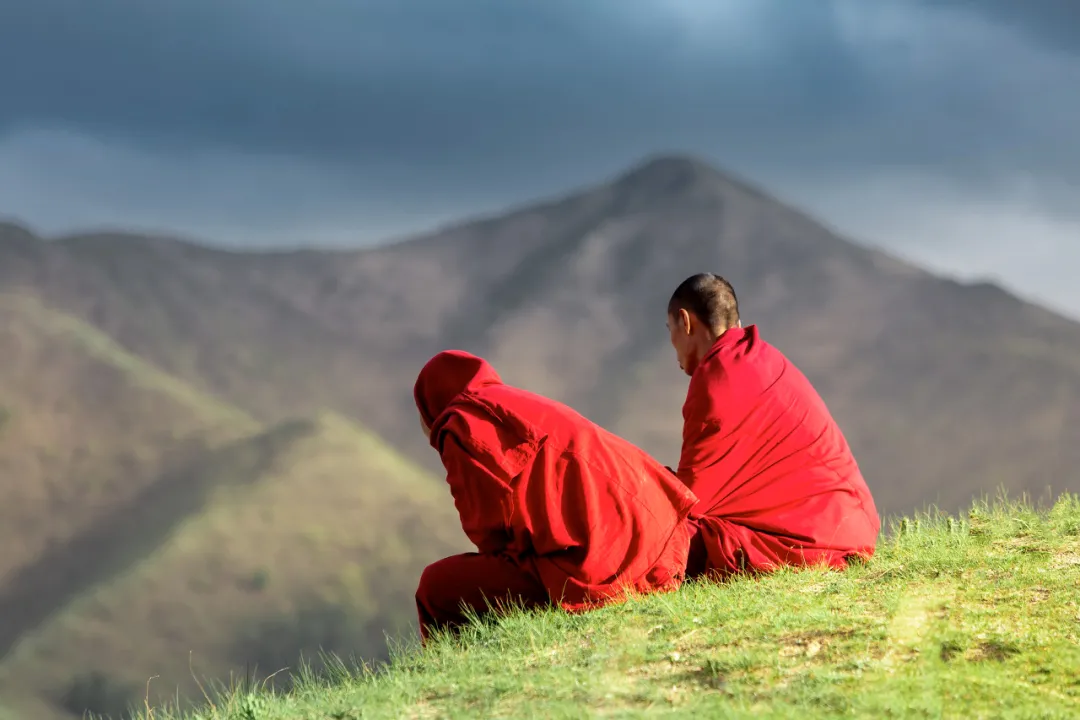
[[210, 459]]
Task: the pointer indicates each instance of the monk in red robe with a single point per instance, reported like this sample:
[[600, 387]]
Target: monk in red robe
[[775, 479], [561, 511]]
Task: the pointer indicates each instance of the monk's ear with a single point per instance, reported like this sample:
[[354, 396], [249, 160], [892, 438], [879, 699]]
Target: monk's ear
[[684, 320]]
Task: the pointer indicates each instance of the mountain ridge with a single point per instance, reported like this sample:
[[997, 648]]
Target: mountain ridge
[[556, 294]]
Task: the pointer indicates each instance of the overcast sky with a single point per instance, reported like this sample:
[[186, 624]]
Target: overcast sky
[[943, 130]]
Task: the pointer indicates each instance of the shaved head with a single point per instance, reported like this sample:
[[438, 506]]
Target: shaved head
[[710, 298]]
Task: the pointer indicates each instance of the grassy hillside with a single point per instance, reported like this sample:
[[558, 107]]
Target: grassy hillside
[[970, 617], [90, 437], [313, 534], [83, 425], [127, 493]]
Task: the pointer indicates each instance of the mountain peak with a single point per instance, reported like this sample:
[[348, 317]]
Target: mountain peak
[[678, 177], [669, 172], [672, 165]]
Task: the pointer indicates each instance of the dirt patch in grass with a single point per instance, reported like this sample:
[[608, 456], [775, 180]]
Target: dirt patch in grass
[[812, 642], [814, 588], [1024, 545], [950, 650], [652, 671], [710, 676], [992, 651]]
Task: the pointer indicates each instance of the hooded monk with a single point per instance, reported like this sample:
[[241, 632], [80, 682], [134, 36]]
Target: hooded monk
[[561, 511], [776, 481]]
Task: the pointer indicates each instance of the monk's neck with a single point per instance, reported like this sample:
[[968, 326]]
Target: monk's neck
[[713, 338]]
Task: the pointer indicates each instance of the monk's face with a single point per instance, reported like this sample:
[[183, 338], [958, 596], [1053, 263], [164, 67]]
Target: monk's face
[[682, 328]]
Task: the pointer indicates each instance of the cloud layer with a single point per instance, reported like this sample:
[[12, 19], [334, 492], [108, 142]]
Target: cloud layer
[[335, 121]]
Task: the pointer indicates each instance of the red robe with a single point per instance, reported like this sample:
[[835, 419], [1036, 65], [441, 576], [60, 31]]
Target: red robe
[[776, 481], [572, 507]]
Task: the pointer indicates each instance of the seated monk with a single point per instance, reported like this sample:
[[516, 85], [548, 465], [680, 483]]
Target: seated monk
[[775, 479], [561, 511]]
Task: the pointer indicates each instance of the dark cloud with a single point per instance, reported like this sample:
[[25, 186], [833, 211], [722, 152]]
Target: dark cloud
[[1052, 22], [352, 118], [374, 81], [425, 83]]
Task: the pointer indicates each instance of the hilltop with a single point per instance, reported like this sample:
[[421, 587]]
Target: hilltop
[[963, 617]]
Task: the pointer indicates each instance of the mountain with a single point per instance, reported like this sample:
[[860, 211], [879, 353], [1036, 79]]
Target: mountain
[[143, 520], [90, 433], [144, 363], [309, 533], [945, 389]]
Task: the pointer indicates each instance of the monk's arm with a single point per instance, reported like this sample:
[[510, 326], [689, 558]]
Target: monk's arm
[[483, 501]]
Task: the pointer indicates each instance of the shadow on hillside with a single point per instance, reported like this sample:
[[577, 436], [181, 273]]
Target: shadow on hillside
[[272, 649], [100, 695], [130, 532]]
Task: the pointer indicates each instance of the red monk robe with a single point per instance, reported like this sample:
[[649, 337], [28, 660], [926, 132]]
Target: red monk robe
[[560, 510], [776, 481]]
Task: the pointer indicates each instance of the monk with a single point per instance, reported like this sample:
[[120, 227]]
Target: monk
[[561, 511], [776, 482]]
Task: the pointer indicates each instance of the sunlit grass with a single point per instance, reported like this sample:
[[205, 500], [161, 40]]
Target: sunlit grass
[[973, 616]]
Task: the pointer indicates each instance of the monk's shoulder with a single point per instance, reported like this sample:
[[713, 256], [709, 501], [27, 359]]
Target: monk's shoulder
[[752, 362], [773, 368], [740, 370]]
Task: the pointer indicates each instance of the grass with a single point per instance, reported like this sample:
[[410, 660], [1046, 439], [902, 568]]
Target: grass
[[966, 617]]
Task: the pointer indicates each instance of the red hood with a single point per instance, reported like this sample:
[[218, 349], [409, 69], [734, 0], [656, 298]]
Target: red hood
[[445, 377]]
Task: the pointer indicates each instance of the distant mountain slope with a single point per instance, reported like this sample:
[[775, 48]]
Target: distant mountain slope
[[87, 429], [945, 389], [313, 534], [106, 462]]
